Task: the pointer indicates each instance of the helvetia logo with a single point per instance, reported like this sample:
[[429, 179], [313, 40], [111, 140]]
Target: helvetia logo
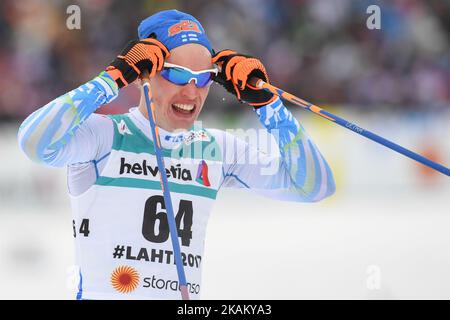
[[125, 279], [175, 172], [202, 174]]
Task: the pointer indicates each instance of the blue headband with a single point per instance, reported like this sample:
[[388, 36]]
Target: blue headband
[[174, 28]]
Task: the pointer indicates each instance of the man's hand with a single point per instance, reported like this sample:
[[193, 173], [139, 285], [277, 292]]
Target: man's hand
[[236, 70], [138, 56]]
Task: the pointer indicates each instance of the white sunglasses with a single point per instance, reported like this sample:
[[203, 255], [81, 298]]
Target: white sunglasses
[[181, 76]]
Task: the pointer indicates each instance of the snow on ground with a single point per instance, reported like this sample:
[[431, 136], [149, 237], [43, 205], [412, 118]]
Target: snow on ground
[[382, 246]]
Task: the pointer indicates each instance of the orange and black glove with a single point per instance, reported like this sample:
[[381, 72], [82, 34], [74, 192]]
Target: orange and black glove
[[136, 57], [236, 70]]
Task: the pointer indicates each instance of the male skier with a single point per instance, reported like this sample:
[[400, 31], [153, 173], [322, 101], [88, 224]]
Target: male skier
[[120, 224]]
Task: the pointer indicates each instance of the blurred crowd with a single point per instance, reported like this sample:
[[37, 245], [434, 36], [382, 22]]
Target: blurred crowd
[[320, 50]]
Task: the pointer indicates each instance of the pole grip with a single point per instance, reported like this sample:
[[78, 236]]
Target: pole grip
[[255, 82]]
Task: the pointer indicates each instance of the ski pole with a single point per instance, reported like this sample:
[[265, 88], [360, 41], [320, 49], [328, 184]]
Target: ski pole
[[166, 191], [349, 125]]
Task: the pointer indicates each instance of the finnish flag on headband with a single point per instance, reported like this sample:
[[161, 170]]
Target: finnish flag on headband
[[189, 37]]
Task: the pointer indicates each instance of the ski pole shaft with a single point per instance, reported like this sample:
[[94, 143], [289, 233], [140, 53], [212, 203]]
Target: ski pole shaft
[[349, 125], [166, 192]]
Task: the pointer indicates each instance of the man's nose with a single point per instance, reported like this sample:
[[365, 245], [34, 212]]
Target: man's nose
[[190, 90]]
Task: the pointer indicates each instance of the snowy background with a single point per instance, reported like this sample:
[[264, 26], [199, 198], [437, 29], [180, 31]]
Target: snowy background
[[384, 234]]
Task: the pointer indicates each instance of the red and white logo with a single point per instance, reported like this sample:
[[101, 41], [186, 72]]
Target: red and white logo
[[185, 25]]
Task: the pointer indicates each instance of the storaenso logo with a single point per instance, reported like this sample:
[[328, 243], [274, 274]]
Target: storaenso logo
[[175, 172], [173, 285]]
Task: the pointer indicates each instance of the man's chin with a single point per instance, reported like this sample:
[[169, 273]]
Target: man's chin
[[175, 124]]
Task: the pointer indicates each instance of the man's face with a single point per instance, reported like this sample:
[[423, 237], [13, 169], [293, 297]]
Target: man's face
[[170, 99]]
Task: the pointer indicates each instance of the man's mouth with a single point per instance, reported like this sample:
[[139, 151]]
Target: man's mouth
[[184, 109]]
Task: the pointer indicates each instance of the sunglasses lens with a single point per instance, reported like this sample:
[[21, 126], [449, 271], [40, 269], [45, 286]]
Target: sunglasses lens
[[204, 79], [175, 75], [182, 77]]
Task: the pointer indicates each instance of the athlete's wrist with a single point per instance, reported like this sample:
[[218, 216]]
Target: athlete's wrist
[[107, 85], [275, 115]]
